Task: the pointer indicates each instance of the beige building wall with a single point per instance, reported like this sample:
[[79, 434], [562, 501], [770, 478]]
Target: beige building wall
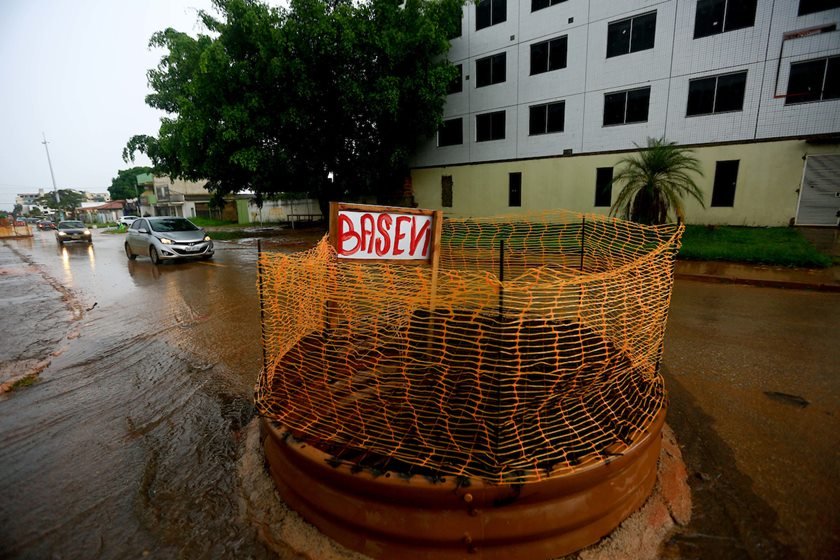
[[766, 192]]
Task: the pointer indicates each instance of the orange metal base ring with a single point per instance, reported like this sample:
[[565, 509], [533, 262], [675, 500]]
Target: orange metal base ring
[[387, 516]]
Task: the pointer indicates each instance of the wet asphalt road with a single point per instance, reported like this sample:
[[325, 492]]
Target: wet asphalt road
[[753, 376], [127, 444]]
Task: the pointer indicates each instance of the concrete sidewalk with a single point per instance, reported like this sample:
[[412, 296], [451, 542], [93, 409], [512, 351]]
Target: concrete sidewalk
[[822, 279]]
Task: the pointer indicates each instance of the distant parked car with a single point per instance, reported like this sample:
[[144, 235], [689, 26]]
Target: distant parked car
[[127, 220], [45, 224], [72, 230], [165, 238]]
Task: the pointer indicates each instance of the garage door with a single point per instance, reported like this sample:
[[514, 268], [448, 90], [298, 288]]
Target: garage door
[[819, 197]]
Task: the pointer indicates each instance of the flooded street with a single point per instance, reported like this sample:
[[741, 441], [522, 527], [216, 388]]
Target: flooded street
[[130, 441], [127, 443]]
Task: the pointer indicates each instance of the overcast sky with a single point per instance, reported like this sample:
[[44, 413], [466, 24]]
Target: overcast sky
[[76, 71]]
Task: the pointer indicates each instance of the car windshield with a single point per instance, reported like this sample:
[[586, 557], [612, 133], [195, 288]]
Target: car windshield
[[172, 224], [69, 225]]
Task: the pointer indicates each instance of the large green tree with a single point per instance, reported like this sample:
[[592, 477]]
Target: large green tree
[[274, 99], [124, 185], [68, 200], [655, 180]]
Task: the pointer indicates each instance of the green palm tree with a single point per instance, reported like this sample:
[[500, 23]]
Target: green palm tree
[[656, 179]]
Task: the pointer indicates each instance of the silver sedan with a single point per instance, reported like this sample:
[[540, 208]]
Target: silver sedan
[[166, 238]]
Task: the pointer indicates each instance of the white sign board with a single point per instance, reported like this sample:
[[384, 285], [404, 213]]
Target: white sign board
[[383, 235]]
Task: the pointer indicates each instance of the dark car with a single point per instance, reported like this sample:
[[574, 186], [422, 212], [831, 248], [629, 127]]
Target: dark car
[[45, 224], [167, 237], [72, 230]]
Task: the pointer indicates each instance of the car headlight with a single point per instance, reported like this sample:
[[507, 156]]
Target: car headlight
[[206, 238], [61, 233], [165, 241], [87, 232]]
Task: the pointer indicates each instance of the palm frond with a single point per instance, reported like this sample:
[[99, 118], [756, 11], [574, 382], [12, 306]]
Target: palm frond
[[655, 181]]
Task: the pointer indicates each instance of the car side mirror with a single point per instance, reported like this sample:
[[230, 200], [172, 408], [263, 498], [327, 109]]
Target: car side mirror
[[142, 230]]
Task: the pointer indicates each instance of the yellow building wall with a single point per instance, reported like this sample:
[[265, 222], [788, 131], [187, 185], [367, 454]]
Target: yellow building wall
[[766, 192]]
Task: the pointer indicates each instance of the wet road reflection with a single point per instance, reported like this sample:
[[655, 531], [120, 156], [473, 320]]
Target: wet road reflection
[[127, 444]]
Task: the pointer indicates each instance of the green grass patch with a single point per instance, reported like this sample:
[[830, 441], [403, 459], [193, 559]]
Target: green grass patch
[[227, 235], [782, 246], [24, 382]]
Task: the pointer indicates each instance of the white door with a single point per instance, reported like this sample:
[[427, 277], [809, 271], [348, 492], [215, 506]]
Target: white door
[[819, 195]]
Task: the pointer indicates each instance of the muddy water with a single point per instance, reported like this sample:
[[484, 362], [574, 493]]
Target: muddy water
[[127, 444]]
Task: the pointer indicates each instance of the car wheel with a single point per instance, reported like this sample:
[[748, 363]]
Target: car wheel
[[153, 254], [207, 257], [131, 256]]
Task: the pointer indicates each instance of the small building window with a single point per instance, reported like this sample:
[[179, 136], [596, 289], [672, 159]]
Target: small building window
[[542, 4], [490, 12], [446, 191], [812, 6], [490, 70], [457, 83], [546, 118], [515, 189], [726, 176], [451, 133], [624, 107], [603, 187], [631, 35], [814, 80], [716, 94], [490, 126], [719, 16], [549, 55]]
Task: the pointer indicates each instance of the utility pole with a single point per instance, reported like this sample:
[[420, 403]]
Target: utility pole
[[49, 162]]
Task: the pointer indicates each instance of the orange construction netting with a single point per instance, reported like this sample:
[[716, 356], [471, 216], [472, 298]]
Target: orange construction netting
[[532, 352]]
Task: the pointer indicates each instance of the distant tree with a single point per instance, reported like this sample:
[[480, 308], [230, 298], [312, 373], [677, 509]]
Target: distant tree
[[17, 210], [655, 181], [69, 200], [35, 211], [274, 99], [124, 185]]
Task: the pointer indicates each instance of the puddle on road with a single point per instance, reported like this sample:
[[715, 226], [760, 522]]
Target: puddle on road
[[128, 444]]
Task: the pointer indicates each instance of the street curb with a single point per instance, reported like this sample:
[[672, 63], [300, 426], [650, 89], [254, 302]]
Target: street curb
[[763, 283]]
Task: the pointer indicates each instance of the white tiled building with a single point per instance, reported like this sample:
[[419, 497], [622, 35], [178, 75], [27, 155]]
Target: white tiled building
[[554, 92]]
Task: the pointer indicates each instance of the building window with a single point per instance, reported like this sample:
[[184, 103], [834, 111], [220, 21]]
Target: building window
[[490, 70], [451, 133], [446, 191], [547, 118], [490, 126], [457, 83], [631, 35], [719, 16], [541, 4], [726, 175], [812, 6], [625, 107], [716, 94], [603, 186], [814, 80], [549, 55], [490, 12], [515, 189]]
